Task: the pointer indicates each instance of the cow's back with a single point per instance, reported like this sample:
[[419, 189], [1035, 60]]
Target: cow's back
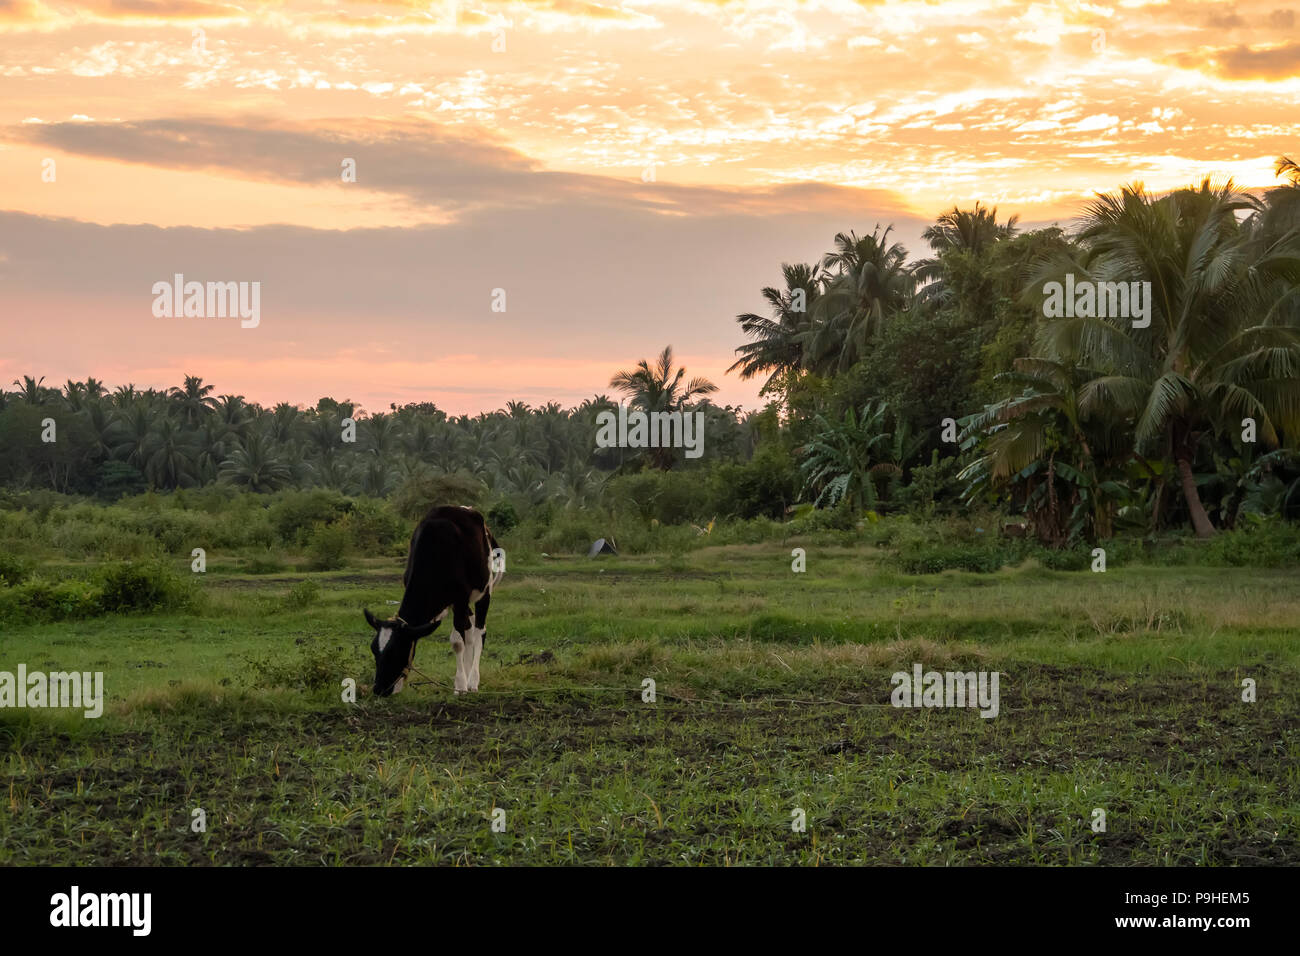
[[444, 533]]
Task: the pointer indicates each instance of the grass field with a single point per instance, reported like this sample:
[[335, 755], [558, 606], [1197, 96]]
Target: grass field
[[1120, 691]]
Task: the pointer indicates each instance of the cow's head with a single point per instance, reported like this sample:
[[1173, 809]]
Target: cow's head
[[394, 650]]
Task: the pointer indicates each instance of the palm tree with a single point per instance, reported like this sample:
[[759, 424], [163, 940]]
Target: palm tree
[[968, 230], [102, 420], [777, 347], [658, 389], [74, 395], [284, 423], [1289, 168], [254, 465], [379, 433], [210, 451], [169, 455], [960, 270], [1204, 361], [234, 413], [31, 391], [193, 400], [871, 283], [134, 426]]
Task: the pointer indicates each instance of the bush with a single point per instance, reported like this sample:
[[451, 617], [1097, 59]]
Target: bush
[[13, 570], [143, 586], [303, 594], [39, 601], [762, 487], [266, 563], [502, 517], [328, 547], [1257, 543], [839, 518], [570, 534], [636, 493], [933, 558], [1073, 559], [374, 528], [419, 493], [298, 514], [140, 586], [316, 667]]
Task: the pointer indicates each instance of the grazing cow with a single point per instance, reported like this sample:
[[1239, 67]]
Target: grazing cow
[[450, 566]]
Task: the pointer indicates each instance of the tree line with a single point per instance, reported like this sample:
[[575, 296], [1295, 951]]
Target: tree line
[[1084, 424], [932, 385]]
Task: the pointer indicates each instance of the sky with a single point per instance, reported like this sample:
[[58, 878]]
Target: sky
[[472, 202]]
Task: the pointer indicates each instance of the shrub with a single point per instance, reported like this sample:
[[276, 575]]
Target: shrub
[[13, 570], [266, 563], [39, 601], [328, 547], [933, 558], [762, 487], [374, 528], [303, 594], [1073, 559], [502, 517], [1257, 543], [570, 534], [316, 667], [298, 514], [636, 493], [839, 518], [419, 493], [143, 586]]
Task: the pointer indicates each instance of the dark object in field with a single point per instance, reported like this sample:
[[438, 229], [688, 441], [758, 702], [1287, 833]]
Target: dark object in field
[[1015, 529], [602, 546], [449, 566]]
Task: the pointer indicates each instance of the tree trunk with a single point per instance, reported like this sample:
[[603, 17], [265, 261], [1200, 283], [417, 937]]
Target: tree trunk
[[1158, 506], [1200, 520]]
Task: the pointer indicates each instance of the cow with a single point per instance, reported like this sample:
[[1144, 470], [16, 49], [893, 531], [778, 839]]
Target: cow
[[451, 565]]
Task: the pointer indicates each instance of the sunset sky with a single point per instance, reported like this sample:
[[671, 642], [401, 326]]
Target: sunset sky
[[631, 174]]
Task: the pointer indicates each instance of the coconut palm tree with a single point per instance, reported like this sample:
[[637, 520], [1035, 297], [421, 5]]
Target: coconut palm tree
[[193, 400], [134, 426], [1205, 361], [658, 389], [254, 464], [870, 283], [169, 455], [971, 230], [776, 347], [32, 391], [235, 414], [125, 395], [961, 272]]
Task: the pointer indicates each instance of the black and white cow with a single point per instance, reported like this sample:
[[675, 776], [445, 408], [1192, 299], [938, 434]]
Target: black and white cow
[[450, 566]]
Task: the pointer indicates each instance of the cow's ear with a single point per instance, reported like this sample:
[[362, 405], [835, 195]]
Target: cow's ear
[[370, 619], [422, 631]]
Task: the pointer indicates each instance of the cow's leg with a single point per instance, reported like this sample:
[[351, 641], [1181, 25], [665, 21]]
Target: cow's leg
[[459, 634], [476, 639]]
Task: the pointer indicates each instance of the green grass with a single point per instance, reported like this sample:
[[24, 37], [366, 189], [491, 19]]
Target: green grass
[[1119, 691]]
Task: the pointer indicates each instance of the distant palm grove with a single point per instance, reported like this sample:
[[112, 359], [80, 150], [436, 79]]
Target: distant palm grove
[[929, 386]]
